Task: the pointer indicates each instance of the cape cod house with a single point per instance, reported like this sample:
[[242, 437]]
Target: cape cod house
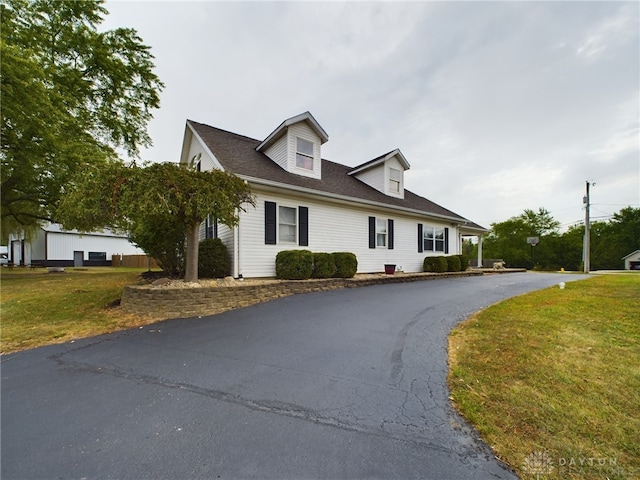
[[306, 202]]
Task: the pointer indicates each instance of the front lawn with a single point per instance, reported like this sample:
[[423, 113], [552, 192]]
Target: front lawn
[[40, 308], [551, 379]]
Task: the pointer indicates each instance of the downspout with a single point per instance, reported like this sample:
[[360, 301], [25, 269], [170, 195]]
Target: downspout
[[236, 247], [236, 252]]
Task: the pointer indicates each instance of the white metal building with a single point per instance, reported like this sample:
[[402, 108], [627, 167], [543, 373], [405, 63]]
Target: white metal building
[[52, 246]]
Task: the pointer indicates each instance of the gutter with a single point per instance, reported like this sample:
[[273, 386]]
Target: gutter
[[350, 200]]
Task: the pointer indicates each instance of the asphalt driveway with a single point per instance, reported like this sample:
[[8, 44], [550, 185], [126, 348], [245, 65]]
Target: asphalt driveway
[[343, 384]]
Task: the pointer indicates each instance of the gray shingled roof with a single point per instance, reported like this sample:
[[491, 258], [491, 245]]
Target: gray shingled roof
[[238, 154]]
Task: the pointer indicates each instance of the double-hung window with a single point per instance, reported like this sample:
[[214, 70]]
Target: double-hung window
[[210, 227], [304, 153], [381, 232], [434, 239], [284, 224], [287, 224], [394, 180]]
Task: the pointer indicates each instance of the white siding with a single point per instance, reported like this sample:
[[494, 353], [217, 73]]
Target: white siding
[[61, 246], [207, 162], [378, 177], [37, 250], [333, 227], [226, 235], [278, 152], [374, 177]]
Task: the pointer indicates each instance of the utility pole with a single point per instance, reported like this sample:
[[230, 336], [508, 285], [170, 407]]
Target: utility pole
[[586, 252]]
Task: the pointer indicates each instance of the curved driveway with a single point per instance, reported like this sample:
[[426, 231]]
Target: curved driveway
[[343, 384]]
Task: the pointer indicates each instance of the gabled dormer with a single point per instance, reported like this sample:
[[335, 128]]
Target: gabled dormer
[[295, 145], [384, 173]]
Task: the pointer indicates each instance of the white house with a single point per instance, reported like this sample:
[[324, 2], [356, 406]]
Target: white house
[[52, 246], [306, 202], [632, 261]]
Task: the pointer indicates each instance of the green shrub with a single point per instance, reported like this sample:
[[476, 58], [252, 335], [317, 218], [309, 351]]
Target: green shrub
[[213, 261], [435, 264], [346, 264], [294, 264], [453, 263], [464, 262], [324, 266]]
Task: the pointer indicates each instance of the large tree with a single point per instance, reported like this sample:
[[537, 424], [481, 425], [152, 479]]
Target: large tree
[[614, 239], [508, 239], [152, 201], [70, 95]]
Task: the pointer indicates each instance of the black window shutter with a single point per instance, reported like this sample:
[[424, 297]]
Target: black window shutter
[[390, 233], [372, 232], [303, 226], [446, 240], [215, 227], [420, 239], [269, 223]]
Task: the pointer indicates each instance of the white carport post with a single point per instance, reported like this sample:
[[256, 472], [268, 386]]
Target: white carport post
[[479, 251]]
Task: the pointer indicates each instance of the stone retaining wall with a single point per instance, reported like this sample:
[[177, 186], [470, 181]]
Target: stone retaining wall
[[167, 302]]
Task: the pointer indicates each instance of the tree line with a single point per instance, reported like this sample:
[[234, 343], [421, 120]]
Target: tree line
[[610, 241]]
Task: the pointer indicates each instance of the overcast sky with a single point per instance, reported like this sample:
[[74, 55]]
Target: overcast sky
[[497, 106]]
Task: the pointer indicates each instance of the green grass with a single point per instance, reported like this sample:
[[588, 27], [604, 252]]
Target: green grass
[[39, 308], [554, 377]]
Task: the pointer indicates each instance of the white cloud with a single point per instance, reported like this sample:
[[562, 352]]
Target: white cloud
[[612, 32]]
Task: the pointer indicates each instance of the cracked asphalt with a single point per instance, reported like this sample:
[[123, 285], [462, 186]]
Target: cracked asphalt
[[342, 384]]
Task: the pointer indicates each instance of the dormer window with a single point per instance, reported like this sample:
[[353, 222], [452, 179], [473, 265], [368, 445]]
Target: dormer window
[[296, 146], [384, 173], [395, 177], [304, 154]]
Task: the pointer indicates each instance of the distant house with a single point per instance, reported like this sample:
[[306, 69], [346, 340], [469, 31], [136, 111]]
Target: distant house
[[52, 246], [307, 202], [632, 261]]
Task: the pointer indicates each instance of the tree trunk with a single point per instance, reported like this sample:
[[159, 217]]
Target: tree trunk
[[191, 262]]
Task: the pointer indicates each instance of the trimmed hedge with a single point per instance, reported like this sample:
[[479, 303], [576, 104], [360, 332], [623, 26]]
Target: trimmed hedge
[[294, 264], [435, 264], [213, 260], [324, 266], [346, 264], [453, 263], [464, 262]]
